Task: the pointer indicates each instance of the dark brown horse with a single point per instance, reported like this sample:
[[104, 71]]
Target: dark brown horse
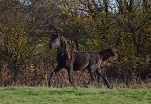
[[72, 60]]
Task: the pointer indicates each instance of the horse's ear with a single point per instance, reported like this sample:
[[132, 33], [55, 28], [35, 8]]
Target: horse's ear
[[56, 34], [68, 53]]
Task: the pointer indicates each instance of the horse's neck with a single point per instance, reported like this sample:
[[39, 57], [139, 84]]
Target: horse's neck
[[63, 46], [58, 51], [61, 50]]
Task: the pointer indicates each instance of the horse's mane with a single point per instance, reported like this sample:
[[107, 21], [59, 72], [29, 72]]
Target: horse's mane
[[68, 50]]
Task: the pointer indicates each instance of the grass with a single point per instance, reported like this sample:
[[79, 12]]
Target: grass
[[43, 95]]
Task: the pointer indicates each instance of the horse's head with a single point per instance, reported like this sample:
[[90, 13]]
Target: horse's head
[[61, 43], [55, 41]]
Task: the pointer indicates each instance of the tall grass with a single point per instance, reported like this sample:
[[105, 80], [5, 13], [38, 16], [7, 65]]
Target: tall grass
[[38, 76]]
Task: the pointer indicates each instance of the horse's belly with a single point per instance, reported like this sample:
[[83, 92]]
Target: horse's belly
[[80, 66], [81, 61]]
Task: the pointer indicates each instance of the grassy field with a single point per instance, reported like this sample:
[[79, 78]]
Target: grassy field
[[43, 95]]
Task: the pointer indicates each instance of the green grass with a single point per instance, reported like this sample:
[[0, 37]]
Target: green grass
[[43, 95]]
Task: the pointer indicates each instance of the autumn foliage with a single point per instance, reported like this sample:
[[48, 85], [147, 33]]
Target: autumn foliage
[[89, 25]]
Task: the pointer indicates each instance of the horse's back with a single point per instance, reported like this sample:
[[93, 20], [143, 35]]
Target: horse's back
[[85, 59]]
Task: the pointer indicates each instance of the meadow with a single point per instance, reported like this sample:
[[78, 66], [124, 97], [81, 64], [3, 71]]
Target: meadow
[[44, 95]]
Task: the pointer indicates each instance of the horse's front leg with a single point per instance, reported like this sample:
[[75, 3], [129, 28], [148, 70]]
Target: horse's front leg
[[70, 72], [52, 74]]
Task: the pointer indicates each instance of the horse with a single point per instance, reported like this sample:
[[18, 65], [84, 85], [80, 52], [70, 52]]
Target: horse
[[73, 60]]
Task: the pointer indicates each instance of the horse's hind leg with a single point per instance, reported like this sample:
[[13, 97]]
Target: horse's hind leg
[[91, 79], [52, 74], [99, 72]]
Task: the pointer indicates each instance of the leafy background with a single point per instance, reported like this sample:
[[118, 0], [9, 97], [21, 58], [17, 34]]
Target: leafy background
[[26, 27]]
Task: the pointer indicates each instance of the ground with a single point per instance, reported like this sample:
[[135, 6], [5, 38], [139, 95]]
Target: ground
[[43, 95]]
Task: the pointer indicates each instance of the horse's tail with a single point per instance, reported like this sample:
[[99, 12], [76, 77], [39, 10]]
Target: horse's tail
[[106, 54]]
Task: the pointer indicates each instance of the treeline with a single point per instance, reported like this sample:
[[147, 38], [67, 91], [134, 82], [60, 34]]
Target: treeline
[[26, 27]]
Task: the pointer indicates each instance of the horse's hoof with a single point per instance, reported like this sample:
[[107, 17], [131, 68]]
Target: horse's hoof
[[111, 87], [86, 86], [50, 86]]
